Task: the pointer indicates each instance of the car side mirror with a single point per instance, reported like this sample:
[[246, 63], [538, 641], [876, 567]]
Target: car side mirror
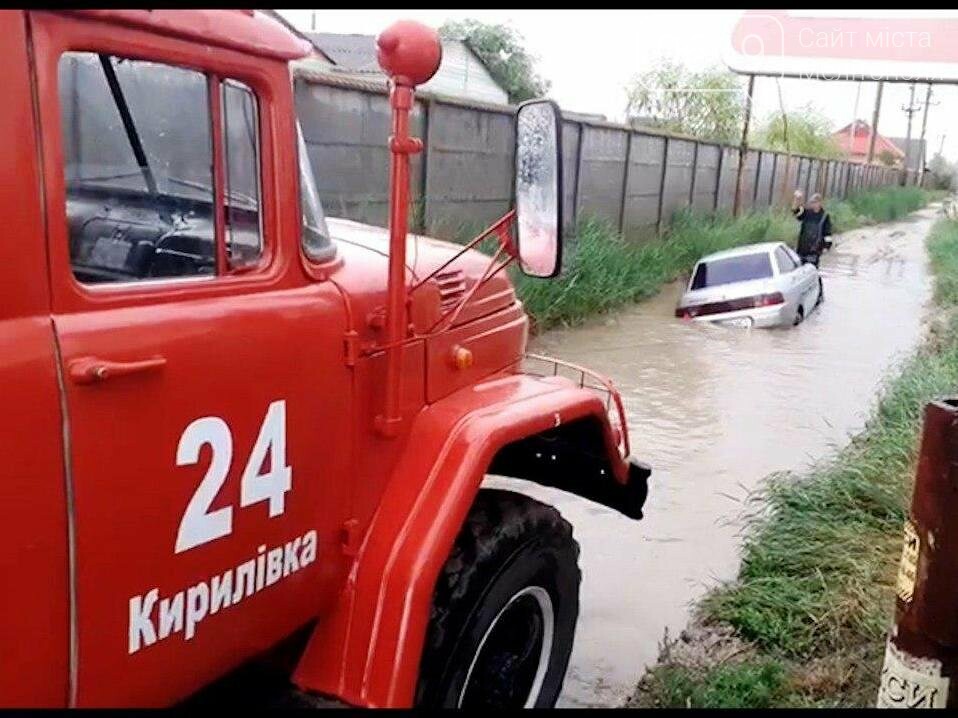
[[539, 188]]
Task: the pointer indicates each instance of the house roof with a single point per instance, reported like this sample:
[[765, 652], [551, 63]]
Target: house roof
[[356, 53], [861, 139]]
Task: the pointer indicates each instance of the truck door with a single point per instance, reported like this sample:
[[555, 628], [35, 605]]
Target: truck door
[[206, 390], [34, 602]]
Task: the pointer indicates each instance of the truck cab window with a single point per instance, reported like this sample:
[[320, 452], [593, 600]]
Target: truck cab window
[[137, 162], [138, 158], [244, 242]]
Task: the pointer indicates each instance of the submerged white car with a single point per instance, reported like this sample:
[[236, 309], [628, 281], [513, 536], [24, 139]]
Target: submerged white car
[[757, 285]]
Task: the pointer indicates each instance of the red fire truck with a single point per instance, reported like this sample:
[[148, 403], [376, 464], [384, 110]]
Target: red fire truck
[[231, 421]]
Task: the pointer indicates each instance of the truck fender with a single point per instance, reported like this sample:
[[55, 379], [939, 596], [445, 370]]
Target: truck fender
[[367, 651]]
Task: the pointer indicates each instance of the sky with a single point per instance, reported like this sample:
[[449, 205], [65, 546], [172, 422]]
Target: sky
[[591, 55]]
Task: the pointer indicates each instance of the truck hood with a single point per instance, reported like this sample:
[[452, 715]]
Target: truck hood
[[423, 256]]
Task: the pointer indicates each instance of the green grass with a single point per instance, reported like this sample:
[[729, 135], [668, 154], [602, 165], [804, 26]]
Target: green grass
[[604, 271], [879, 205], [752, 685], [816, 581]]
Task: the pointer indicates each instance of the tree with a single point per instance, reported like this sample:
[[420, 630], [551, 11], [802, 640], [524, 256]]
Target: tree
[[709, 104], [501, 49], [942, 172], [809, 133], [887, 158]]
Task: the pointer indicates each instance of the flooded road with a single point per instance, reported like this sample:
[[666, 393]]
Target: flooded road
[[714, 410]]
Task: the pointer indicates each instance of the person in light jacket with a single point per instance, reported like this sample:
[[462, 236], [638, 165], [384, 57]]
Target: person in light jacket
[[815, 233]]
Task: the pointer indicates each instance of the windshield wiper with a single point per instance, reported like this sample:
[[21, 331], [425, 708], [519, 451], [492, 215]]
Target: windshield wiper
[[233, 195], [131, 134]]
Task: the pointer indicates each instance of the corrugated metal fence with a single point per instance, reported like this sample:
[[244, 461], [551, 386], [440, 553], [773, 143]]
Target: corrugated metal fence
[[635, 179]]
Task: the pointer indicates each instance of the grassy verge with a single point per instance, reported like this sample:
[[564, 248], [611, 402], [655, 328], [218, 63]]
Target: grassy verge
[[815, 592], [604, 272]]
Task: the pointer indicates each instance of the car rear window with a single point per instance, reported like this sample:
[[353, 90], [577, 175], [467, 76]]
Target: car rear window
[[733, 269]]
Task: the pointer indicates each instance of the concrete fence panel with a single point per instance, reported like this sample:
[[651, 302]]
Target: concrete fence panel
[[602, 172], [642, 187], [463, 180], [678, 177]]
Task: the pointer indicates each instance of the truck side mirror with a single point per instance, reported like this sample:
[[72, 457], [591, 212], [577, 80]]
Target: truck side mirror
[[539, 188]]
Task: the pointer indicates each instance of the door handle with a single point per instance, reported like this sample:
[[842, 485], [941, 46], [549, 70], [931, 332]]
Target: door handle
[[89, 370]]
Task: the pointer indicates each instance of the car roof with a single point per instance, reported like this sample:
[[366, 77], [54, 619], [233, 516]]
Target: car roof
[[745, 249]]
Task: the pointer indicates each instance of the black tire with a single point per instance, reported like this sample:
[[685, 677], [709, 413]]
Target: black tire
[[799, 316], [821, 292], [513, 562]]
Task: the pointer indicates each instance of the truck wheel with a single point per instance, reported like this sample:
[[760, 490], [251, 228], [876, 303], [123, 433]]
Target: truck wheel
[[504, 609]]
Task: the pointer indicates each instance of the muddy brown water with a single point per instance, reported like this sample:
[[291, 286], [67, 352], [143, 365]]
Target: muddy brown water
[[714, 410]]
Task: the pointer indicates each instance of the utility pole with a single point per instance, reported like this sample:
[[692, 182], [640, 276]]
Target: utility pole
[[921, 142], [909, 110], [786, 175], [743, 147], [871, 142], [851, 127]]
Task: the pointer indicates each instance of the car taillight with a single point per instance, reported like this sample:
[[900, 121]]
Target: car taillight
[[769, 300]]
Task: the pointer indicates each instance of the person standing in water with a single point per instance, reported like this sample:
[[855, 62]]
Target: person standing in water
[[815, 233]]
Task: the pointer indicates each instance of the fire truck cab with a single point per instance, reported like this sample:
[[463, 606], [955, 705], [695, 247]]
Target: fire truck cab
[[230, 419]]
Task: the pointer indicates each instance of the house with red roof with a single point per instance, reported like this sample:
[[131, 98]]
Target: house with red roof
[[853, 140]]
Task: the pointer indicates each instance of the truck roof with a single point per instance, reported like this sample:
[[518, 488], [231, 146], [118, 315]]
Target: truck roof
[[248, 31]]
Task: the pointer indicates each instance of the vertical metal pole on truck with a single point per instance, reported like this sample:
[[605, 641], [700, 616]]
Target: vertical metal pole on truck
[[409, 53]]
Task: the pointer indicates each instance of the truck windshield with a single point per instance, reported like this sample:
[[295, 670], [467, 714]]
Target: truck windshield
[[733, 269], [148, 162], [316, 241]]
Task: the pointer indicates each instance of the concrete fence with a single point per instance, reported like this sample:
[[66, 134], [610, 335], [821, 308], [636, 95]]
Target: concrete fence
[[635, 179]]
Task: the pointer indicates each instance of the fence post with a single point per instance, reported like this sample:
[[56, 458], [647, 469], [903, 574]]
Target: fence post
[[758, 176], [808, 177], [718, 178], [771, 181], [625, 179], [921, 653], [695, 166], [665, 165], [578, 174]]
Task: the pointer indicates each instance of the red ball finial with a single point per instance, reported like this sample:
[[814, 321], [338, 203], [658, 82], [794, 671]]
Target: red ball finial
[[409, 52]]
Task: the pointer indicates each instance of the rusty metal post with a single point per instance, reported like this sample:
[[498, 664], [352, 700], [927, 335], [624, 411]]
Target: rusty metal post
[[921, 656]]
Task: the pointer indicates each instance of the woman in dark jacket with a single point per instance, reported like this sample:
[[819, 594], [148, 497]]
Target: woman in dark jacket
[[816, 230]]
